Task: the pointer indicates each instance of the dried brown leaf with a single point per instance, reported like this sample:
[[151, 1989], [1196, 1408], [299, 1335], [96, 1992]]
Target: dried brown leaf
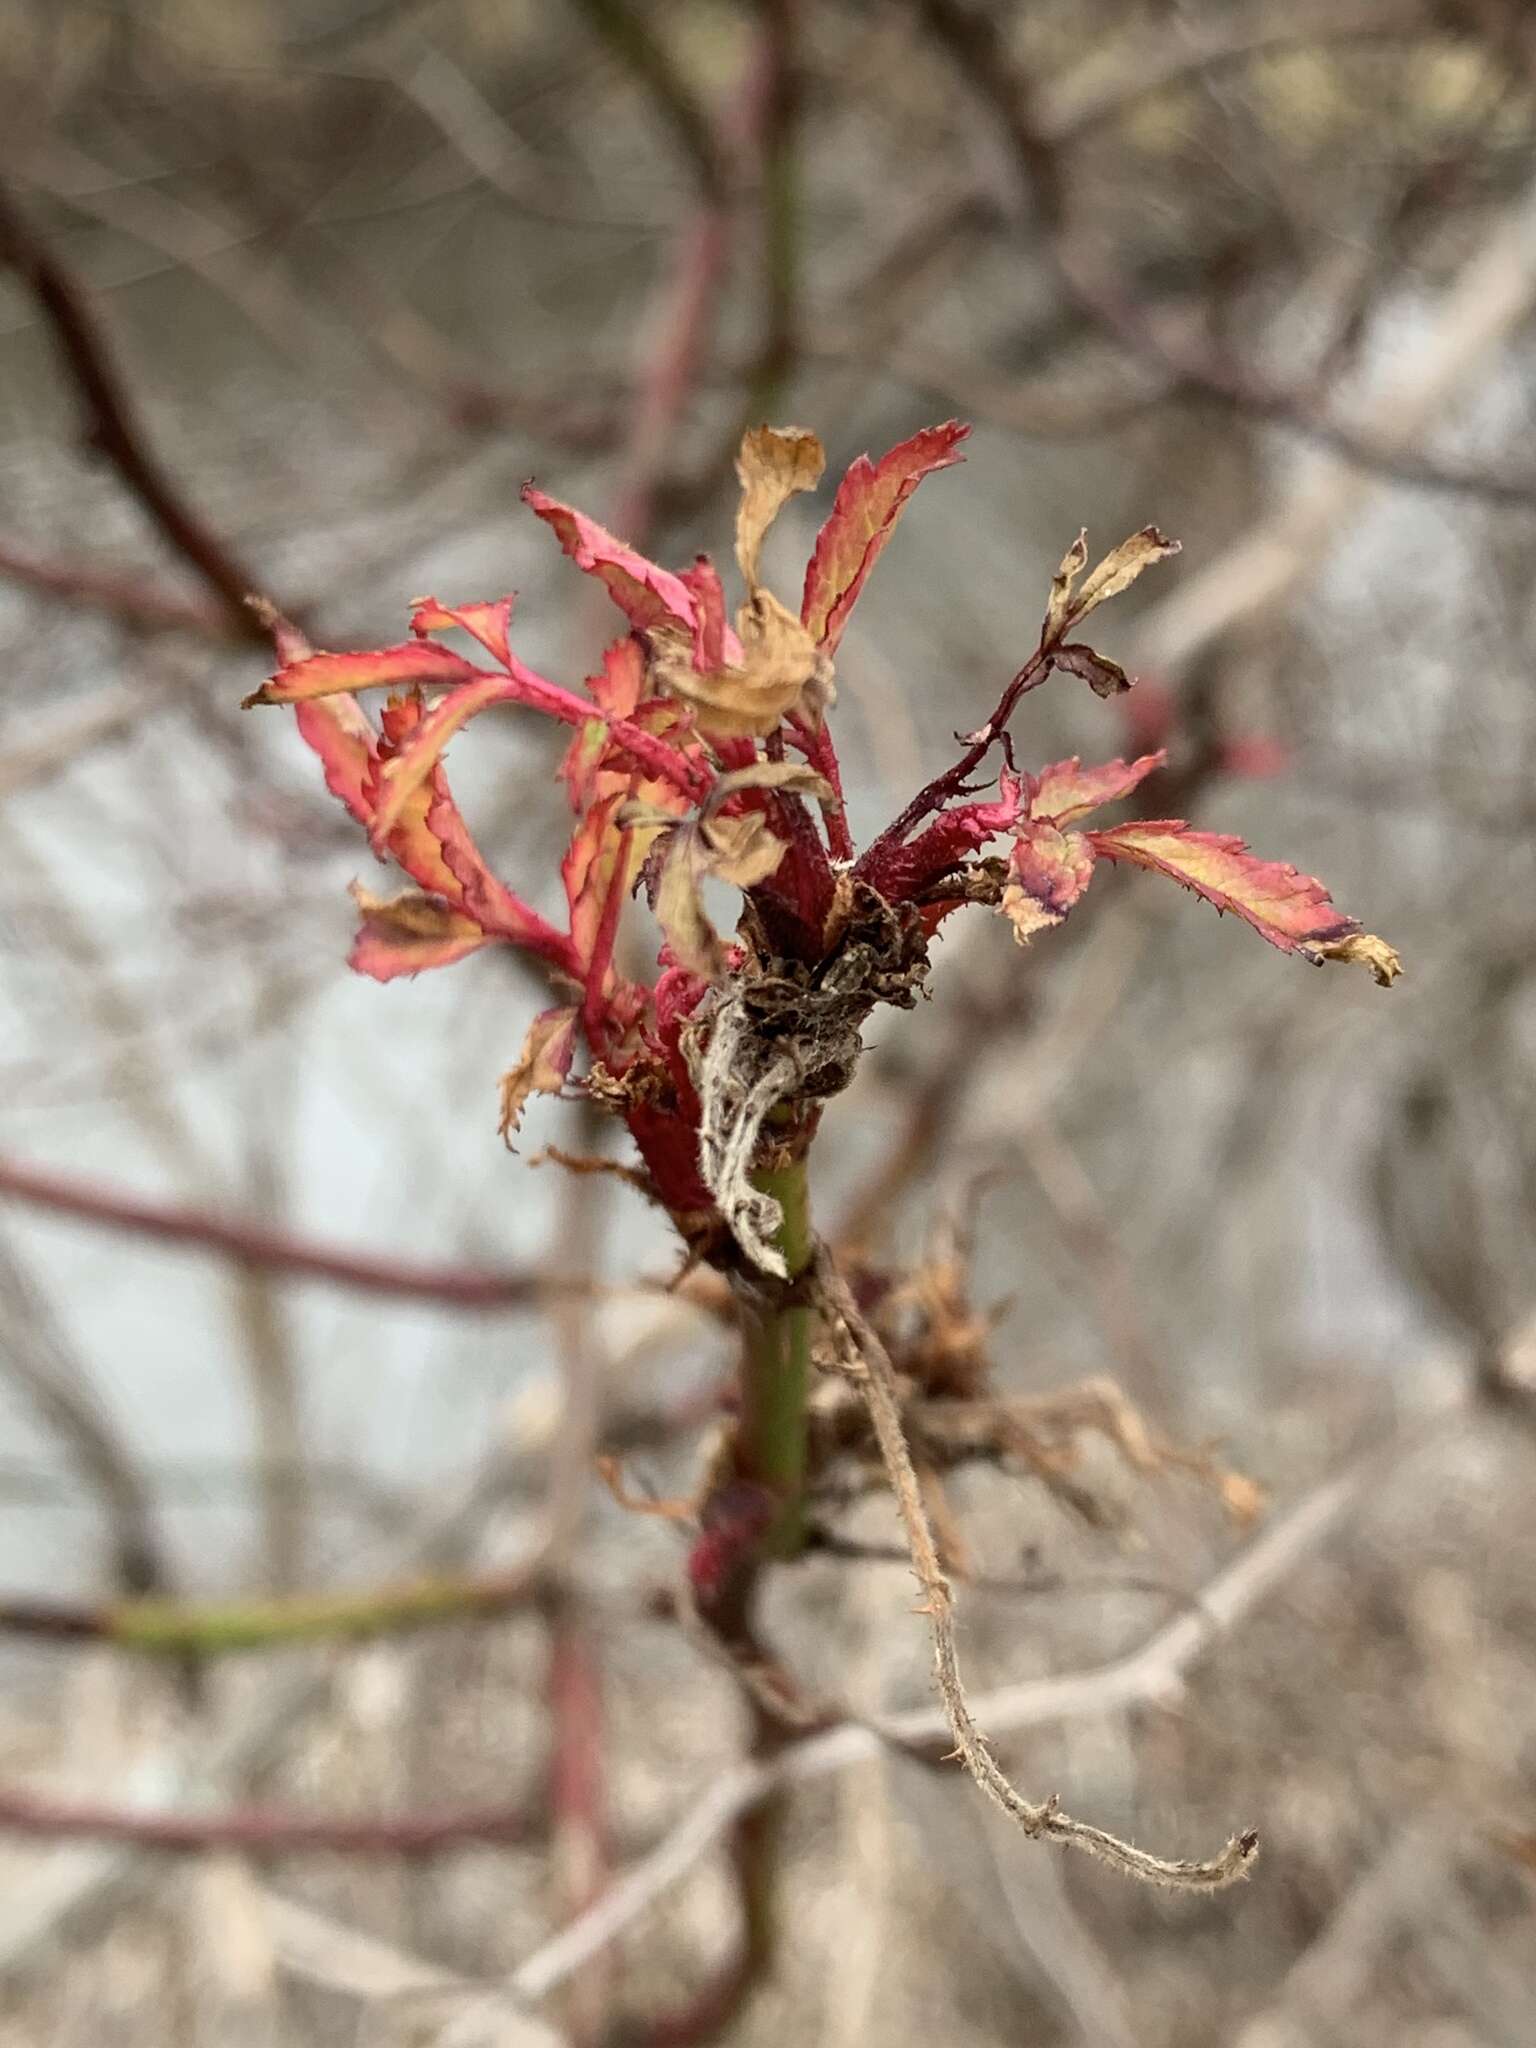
[[1070, 604], [1104, 677], [772, 464], [1369, 951], [541, 1067]]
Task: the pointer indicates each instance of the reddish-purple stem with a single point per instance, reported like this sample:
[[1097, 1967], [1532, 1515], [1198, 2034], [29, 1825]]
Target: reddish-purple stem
[[278, 1251], [263, 1831], [934, 795]]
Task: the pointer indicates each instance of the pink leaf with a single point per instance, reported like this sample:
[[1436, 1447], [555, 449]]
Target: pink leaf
[[483, 896], [647, 594], [1048, 870], [1290, 910], [339, 731], [396, 668], [488, 623], [407, 934], [869, 501], [1067, 789], [710, 630], [415, 759]]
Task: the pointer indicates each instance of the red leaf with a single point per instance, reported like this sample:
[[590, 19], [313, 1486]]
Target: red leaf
[[397, 668], [899, 872], [711, 631], [342, 735], [481, 895], [1291, 910], [1067, 789], [647, 594], [415, 760], [488, 623], [406, 934], [619, 688], [869, 501]]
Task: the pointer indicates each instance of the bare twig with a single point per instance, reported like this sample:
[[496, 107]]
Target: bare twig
[[132, 599], [629, 35], [263, 1831], [113, 425], [864, 1358], [972, 38], [277, 1251], [160, 1627]]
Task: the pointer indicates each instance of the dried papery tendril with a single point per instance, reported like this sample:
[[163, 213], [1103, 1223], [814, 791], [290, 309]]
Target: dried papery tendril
[[863, 1359]]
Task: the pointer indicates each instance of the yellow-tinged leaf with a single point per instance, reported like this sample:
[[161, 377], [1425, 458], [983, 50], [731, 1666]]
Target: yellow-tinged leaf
[[406, 934], [1067, 790], [541, 1067], [772, 464], [1293, 911], [1026, 915]]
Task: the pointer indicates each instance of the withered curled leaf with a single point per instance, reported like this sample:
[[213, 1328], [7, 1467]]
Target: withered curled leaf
[[781, 671], [1048, 870], [1070, 604], [541, 1067], [772, 464], [1104, 677]]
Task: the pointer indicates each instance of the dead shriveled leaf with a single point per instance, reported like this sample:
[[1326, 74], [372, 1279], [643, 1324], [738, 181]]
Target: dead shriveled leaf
[[1070, 603], [790, 778], [541, 1067], [1104, 677], [772, 464], [779, 672]]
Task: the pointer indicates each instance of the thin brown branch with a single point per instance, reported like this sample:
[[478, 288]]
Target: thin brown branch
[[113, 426], [629, 35], [278, 1251], [266, 1831], [131, 599]]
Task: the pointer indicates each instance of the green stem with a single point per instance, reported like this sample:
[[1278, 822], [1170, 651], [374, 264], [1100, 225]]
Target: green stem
[[160, 1627], [776, 1369]]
